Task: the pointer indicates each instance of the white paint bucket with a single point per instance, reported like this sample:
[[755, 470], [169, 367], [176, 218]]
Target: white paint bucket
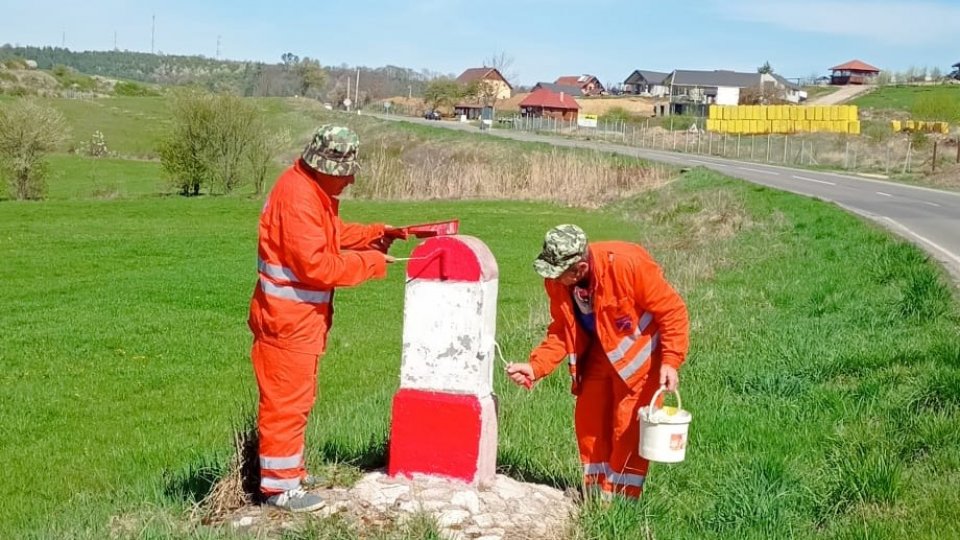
[[663, 431]]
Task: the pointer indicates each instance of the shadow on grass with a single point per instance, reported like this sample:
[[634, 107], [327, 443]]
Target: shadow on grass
[[219, 487], [367, 457]]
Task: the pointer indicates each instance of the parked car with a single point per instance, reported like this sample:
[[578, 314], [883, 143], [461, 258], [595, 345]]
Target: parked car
[[432, 115]]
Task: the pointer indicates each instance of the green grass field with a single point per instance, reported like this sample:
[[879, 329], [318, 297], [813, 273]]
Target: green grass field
[[824, 376], [904, 98]]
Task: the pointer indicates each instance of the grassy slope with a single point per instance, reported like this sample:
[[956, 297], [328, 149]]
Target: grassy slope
[[903, 98], [825, 374]]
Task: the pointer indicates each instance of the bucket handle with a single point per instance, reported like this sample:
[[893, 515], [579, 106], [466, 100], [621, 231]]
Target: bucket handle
[[659, 391]]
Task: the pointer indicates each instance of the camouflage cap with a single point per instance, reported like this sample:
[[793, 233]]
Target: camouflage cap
[[333, 151], [563, 246]]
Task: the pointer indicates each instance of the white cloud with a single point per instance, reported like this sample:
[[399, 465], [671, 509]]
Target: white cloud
[[895, 22]]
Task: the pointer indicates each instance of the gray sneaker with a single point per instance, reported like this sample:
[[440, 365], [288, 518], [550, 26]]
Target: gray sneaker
[[313, 481], [296, 500]]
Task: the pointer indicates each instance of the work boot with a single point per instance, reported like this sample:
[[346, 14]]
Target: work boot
[[313, 481], [296, 500]]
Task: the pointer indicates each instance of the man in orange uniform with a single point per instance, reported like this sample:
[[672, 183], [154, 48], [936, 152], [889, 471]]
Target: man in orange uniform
[[625, 332], [302, 258]]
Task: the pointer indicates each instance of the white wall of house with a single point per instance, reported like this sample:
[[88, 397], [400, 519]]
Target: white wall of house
[[728, 95], [658, 90]]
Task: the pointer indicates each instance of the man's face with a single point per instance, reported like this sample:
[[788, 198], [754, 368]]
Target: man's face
[[334, 185], [574, 274]]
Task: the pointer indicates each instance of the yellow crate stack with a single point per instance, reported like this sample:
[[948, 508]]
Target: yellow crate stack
[[762, 119]]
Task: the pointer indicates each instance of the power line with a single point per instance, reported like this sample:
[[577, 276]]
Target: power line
[[153, 32]]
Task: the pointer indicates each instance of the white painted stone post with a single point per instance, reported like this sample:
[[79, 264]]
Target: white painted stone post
[[444, 419]]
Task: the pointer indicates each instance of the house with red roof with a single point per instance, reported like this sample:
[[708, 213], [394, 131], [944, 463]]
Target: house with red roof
[[588, 84], [544, 103], [853, 72]]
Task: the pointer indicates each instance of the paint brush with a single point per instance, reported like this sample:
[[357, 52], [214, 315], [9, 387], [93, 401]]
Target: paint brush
[[527, 383]]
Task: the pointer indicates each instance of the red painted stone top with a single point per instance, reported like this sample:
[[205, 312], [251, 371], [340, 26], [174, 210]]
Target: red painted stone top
[[452, 258]]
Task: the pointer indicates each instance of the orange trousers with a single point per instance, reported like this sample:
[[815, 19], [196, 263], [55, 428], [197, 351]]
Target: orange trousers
[[607, 428], [287, 382]]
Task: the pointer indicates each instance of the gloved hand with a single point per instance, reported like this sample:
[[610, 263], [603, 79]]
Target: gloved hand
[[390, 234], [395, 233]]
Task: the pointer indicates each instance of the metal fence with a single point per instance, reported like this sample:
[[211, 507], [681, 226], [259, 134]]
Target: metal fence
[[878, 151], [884, 153]]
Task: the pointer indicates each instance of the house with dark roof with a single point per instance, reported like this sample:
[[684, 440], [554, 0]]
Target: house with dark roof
[[645, 83], [588, 84], [853, 72], [544, 103], [557, 88], [692, 92]]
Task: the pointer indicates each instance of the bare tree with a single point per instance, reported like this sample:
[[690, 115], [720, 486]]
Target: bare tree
[[504, 64], [28, 132]]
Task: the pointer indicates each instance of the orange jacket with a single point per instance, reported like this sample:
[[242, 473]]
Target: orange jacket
[[300, 262], [641, 320]]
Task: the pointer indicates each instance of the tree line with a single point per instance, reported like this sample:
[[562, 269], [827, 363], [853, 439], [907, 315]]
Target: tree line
[[291, 76]]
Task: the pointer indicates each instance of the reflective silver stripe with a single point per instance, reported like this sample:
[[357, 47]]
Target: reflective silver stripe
[[292, 462], [626, 479], [596, 468], [622, 347], [627, 342], [286, 484], [572, 359], [645, 321], [276, 272], [641, 358], [292, 293]]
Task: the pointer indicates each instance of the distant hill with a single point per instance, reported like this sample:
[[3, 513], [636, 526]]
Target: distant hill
[[243, 78]]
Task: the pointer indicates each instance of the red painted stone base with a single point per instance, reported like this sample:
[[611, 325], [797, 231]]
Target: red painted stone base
[[440, 434]]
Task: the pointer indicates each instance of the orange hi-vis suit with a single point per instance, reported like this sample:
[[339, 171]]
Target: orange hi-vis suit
[[641, 324], [300, 262]]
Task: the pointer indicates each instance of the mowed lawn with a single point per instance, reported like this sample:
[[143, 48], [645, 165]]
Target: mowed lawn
[[824, 375]]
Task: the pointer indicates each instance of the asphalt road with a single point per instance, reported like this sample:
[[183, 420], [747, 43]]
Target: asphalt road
[[927, 217]]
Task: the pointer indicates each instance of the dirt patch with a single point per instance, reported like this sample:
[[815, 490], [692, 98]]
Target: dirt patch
[[639, 106]]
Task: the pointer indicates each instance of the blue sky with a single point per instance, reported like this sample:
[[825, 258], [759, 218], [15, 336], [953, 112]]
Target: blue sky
[[545, 38]]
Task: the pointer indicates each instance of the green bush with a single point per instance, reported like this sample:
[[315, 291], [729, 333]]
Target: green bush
[[28, 132], [69, 78], [132, 89], [217, 142], [617, 114]]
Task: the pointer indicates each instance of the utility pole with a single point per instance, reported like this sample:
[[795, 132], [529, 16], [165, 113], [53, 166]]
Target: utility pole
[[63, 40], [357, 89], [153, 32], [114, 40], [218, 47]]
